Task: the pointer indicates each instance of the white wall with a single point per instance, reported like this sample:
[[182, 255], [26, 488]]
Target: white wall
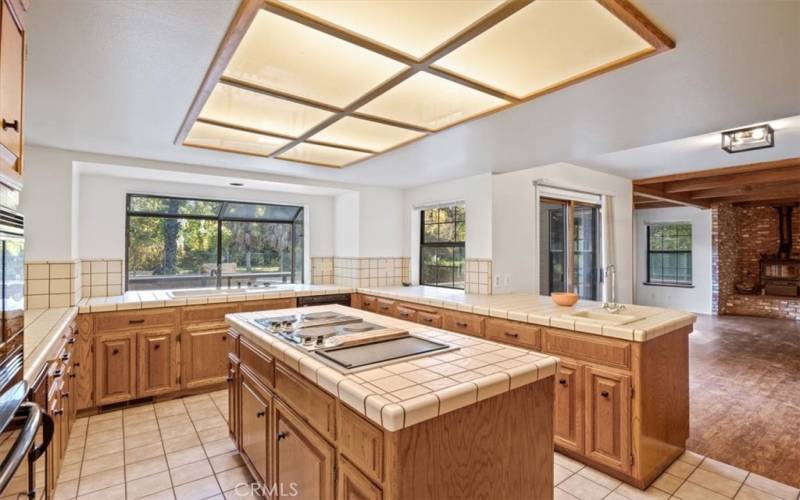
[[514, 228], [346, 223], [102, 211], [381, 222], [696, 299]]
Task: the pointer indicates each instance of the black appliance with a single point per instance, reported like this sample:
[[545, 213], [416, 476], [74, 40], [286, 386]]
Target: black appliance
[[20, 419], [322, 300]]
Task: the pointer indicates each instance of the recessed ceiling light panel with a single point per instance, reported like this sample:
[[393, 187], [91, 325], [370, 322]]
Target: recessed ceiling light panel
[[546, 43], [283, 55], [431, 102], [261, 112], [410, 27], [323, 155], [365, 134], [209, 136]]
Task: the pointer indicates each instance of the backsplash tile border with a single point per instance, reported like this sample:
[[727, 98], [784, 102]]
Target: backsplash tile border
[[478, 276], [101, 277], [370, 271], [52, 283]]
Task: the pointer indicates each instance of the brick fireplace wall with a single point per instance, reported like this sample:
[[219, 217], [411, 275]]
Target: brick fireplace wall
[[739, 235]]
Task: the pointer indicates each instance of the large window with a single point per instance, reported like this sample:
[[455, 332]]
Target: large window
[[185, 243], [442, 246], [669, 254]]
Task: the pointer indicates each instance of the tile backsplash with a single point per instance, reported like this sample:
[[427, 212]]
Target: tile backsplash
[[52, 284], [101, 277], [370, 271], [322, 271], [478, 277]]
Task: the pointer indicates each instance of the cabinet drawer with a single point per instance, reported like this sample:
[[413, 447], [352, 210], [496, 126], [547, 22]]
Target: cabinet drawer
[[405, 313], [269, 304], [468, 324], [385, 306], [611, 352], [106, 322], [361, 442], [259, 362], [430, 319], [369, 303], [314, 404], [207, 313], [513, 332]]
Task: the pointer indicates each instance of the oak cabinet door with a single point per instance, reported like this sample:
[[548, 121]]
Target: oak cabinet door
[[256, 413], [115, 368], [303, 460], [568, 423], [353, 485], [12, 49], [608, 421], [157, 363], [84, 384], [234, 386], [205, 357]]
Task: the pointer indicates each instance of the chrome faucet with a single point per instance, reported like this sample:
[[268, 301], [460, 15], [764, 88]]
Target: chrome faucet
[[612, 307]]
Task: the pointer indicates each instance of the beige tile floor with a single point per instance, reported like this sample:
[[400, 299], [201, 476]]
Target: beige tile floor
[[180, 449]]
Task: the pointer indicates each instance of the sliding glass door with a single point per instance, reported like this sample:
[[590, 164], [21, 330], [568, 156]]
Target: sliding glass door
[[569, 248]]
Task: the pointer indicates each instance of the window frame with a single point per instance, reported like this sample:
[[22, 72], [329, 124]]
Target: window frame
[[441, 244], [219, 218], [649, 253]]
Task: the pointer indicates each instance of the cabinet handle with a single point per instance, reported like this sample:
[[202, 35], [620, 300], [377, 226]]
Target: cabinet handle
[[563, 381], [71, 341], [511, 334], [261, 414], [427, 320], [157, 347], [115, 352], [72, 375], [135, 321], [65, 357], [57, 373], [7, 124], [224, 338], [462, 324], [76, 365], [604, 394], [65, 395], [282, 435], [58, 412]]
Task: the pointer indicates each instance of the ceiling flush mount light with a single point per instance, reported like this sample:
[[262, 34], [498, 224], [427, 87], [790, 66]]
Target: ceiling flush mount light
[[748, 139], [335, 83]]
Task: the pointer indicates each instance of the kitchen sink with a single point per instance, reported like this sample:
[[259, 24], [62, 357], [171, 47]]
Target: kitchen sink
[[208, 292], [603, 317]]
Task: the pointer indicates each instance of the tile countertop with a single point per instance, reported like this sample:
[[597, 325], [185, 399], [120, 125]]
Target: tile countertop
[[541, 310], [146, 299], [402, 394], [43, 328]]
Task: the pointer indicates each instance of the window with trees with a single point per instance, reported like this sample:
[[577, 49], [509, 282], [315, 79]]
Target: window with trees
[[188, 243], [443, 232], [669, 254]]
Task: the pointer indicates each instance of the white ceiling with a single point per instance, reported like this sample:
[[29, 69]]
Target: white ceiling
[[117, 77]]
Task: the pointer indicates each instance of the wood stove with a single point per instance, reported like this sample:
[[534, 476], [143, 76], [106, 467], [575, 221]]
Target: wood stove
[[779, 273]]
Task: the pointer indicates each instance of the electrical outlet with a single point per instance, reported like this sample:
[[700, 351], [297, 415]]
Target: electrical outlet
[[507, 279], [497, 280]]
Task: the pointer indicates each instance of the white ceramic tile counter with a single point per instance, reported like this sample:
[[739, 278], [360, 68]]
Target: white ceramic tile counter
[[43, 329], [162, 298], [541, 310], [402, 394]]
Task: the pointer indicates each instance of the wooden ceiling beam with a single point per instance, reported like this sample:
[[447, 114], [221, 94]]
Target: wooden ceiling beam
[[779, 175], [742, 190], [763, 198], [655, 204], [714, 172], [677, 198]]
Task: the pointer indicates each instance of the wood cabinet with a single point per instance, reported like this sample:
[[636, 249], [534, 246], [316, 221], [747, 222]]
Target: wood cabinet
[[12, 65], [157, 362], [353, 485], [568, 423], [115, 368], [302, 457], [514, 332], [431, 319], [234, 394], [468, 324], [84, 383], [256, 413], [608, 420], [204, 356]]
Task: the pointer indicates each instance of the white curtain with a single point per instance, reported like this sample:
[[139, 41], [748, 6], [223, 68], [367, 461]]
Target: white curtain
[[607, 229]]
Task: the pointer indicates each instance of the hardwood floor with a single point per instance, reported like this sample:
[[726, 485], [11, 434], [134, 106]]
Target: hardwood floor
[[745, 394]]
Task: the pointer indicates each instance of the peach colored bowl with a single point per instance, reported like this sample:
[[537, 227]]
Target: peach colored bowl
[[564, 298]]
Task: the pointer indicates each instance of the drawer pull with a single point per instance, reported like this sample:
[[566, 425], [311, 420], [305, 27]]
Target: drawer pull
[[604, 394], [404, 314], [224, 338], [65, 357], [115, 352], [511, 334], [384, 307], [58, 412], [72, 375], [427, 320], [157, 347], [71, 341], [282, 435], [462, 324], [563, 381], [65, 395], [57, 373], [135, 321], [260, 414], [13, 125]]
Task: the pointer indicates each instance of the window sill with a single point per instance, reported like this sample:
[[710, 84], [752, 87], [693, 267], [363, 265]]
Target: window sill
[[671, 285]]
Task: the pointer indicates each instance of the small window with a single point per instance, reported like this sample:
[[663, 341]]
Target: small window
[[669, 254], [442, 246]]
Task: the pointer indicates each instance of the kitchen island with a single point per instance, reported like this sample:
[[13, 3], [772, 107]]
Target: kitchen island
[[473, 422]]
